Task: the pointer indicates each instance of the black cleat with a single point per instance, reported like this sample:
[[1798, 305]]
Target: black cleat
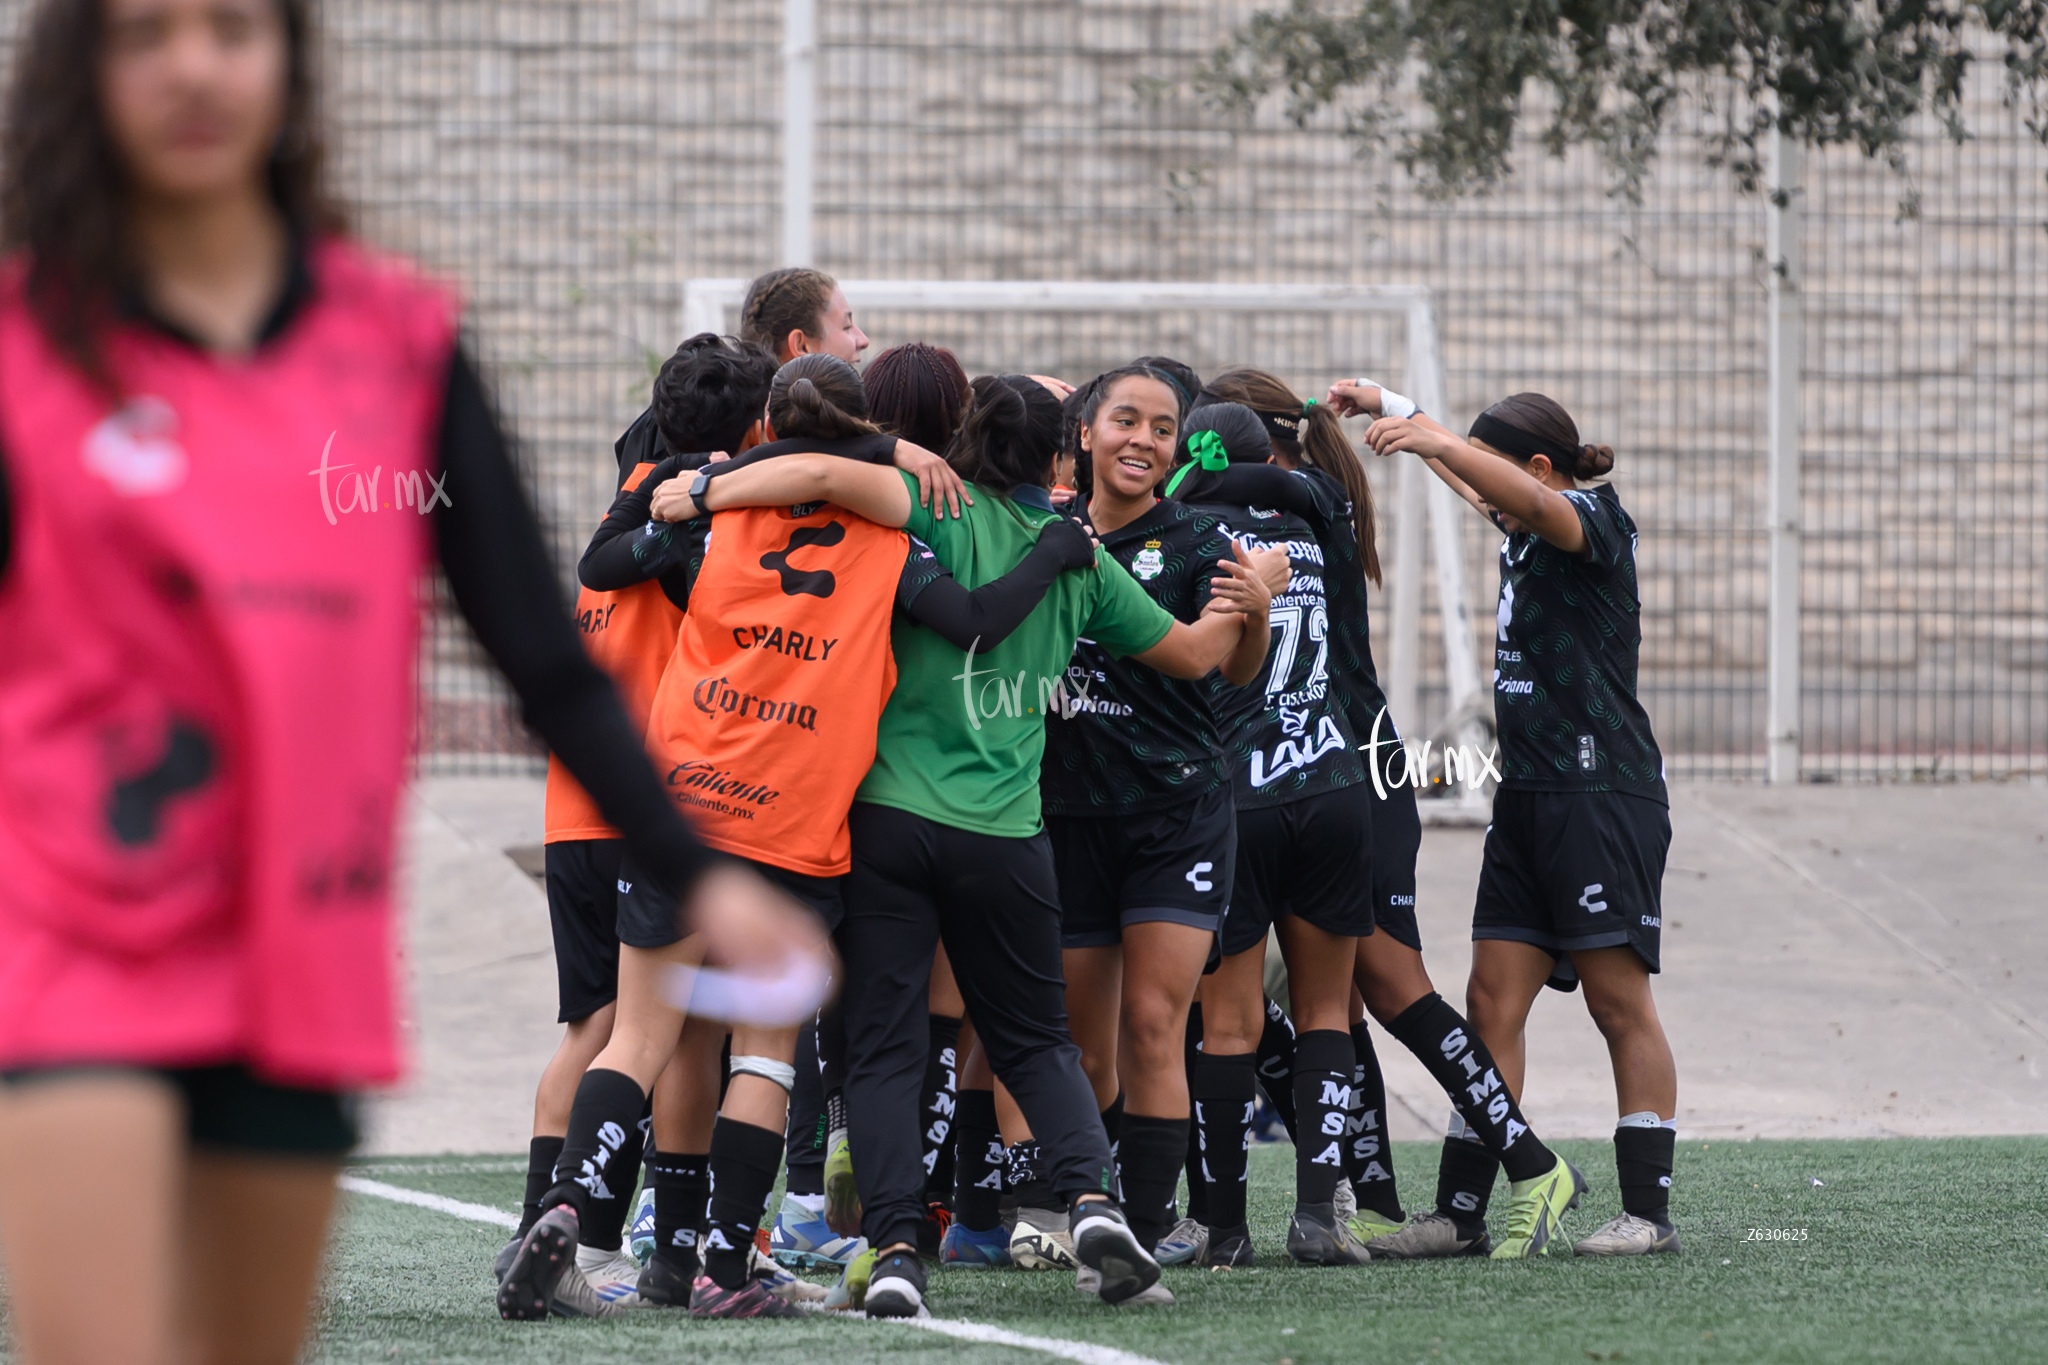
[[1103, 1242], [547, 1253]]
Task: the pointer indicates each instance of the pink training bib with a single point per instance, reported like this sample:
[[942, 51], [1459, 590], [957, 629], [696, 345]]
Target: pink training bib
[[207, 629]]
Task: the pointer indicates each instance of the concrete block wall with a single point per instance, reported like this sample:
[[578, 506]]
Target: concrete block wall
[[572, 162]]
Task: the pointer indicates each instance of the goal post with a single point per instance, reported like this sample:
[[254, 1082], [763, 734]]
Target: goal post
[[712, 305]]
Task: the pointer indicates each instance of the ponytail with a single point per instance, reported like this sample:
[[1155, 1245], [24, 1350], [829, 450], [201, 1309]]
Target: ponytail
[[1309, 433], [819, 396], [1010, 436], [1525, 425], [1324, 445]]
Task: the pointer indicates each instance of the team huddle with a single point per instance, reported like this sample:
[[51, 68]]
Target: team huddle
[[1055, 705]]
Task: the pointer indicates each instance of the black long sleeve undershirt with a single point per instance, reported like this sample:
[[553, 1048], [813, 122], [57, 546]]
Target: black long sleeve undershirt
[[629, 548], [499, 571]]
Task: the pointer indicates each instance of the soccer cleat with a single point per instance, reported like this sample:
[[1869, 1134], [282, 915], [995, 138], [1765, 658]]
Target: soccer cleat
[[896, 1289], [503, 1261], [667, 1285], [801, 1240], [1536, 1211], [1088, 1281], [1424, 1237], [1228, 1247], [966, 1249], [932, 1235], [1103, 1241], [1346, 1201], [640, 1232], [1368, 1225], [612, 1275], [1629, 1235], [842, 1195], [709, 1299], [576, 1298], [1185, 1243], [542, 1261], [852, 1290], [1041, 1241], [783, 1284], [1316, 1237]]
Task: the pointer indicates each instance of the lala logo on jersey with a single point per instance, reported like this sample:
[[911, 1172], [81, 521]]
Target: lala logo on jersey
[[1291, 754], [1149, 562]]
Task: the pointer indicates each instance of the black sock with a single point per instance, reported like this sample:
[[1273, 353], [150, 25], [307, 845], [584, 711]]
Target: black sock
[[603, 1122], [1642, 1159], [541, 1155], [1276, 1065], [1222, 1090], [1464, 1184], [1113, 1129], [1451, 1048], [1191, 1058], [1322, 1097], [941, 1093], [1024, 1175], [1366, 1159], [682, 1188], [978, 1178], [1152, 1152], [744, 1161], [604, 1220]]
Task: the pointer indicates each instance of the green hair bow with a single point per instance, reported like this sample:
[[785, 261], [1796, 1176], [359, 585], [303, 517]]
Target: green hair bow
[[1206, 448]]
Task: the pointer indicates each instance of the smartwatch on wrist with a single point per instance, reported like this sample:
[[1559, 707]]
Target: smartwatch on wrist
[[697, 487]]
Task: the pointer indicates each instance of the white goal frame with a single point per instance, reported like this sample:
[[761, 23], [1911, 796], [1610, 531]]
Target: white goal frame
[[709, 305]]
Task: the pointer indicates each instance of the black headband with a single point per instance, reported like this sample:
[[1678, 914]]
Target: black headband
[[1284, 426], [1517, 442]]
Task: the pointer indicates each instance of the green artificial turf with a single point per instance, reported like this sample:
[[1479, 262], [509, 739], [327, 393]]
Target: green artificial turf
[[1914, 1250]]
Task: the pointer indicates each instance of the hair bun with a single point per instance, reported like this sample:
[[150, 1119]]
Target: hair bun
[[1594, 461], [805, 395]]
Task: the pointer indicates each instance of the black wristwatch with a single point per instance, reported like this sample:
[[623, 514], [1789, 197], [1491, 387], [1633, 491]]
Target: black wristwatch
[[697, 487]]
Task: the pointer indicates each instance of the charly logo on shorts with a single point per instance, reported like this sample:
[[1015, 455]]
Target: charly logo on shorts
[[1586, 901], [136, 449]]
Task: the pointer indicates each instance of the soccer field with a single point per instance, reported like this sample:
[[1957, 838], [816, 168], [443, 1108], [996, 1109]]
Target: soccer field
[[1907, 1250]]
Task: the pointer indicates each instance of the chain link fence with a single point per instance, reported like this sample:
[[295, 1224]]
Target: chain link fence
[[572, 162]]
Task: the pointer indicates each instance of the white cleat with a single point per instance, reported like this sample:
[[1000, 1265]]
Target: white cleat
[[613, 1276], [1040, 1241], [1628, 1235]]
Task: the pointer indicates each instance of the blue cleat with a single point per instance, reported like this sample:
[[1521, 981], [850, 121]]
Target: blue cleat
[[965, 1249], [640, 1235], [801, 1241]]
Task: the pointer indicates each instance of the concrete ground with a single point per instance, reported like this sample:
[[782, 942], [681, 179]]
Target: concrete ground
[[1839, 962]]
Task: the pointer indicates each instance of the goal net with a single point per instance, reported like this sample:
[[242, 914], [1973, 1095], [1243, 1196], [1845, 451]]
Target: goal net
[[1309, 334]]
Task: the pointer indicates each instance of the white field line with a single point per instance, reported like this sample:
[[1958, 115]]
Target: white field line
[[475, 1213], [1081, 1352]]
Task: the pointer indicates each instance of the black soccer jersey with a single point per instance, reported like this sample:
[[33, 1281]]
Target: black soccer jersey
[[1126, 738], [1287, 733], [1568, 632], [1320, 501]]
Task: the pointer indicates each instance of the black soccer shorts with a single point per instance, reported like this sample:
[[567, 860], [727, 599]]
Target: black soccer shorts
[[1172, 865], [1311, 858], [1569, 871], [583, 909], [1396, 842], [650, 917]]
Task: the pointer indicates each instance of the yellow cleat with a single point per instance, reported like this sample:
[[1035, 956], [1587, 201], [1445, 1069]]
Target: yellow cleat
[[1536, 1211]]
